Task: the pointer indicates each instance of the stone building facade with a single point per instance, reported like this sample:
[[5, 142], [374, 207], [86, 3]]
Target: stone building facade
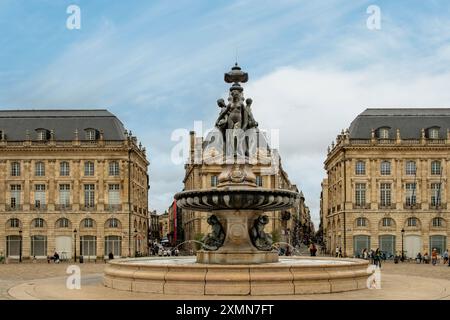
[[387, 183], [290, 226], [71, 181]]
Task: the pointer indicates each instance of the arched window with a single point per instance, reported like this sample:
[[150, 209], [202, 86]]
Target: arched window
[[387, 222], [412, 222], [62, 223], [383, 133], [39, 169], [438, 222], [113, 223], [91, 134], [114, 168], [42, 134], [14, 223], [38, 223], [361, 222], [88, 223], [433, 133]]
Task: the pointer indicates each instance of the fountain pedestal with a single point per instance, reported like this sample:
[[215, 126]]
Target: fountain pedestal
[[237, 247]]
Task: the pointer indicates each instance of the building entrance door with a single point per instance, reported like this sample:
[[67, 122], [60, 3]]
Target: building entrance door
[[64, 246], [413, 245]]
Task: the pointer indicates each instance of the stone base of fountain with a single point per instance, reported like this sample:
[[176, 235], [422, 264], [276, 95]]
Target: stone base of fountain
[[289, 276], [237, 247]]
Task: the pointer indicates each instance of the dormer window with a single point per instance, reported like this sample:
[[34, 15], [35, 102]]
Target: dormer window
[[433, 133], [42, 134], [91, 134], [383, 133]]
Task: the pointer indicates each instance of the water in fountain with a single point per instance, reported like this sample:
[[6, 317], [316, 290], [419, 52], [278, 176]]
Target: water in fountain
[[294, 249]]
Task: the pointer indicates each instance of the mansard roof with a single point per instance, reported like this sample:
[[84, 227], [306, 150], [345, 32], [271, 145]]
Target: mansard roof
[[15, 123], [410, 122]]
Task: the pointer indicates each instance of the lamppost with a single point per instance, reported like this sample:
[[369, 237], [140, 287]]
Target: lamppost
[[403, 252], [135, 242], [20, 246], [75, 245]]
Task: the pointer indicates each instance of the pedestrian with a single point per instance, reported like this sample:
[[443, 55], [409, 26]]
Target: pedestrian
[[364, 254], [337, 252], [340, 252], [312, 250], [110, 256], [434, 256], [445, 256], [377, 258]]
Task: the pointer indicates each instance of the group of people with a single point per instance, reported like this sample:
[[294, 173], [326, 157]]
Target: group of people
[[425, 258], [375, 256]]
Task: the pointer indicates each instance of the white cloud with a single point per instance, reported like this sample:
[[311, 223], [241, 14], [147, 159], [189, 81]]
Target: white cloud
[[311, 106]]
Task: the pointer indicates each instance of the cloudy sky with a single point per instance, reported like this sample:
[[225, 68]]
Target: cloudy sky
[[158, 65]]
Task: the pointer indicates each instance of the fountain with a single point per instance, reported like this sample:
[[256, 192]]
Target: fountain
[[236, 256]]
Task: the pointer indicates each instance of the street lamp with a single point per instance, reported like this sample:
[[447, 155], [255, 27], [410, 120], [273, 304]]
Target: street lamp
[[20, 247], [135, 243], [403, 252], [75, 245]]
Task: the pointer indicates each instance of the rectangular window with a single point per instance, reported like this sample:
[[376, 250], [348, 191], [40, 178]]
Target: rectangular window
[[360, 194], [15, 195], [114, 194], [410, 199], [64, 195], [89, 195], [39, 195], [436, 168], [385, 194], [214, 181], [259, 181], [385, 168], [64, 169], [88, 168], [114, 168], [435, 194], [410, 168], [360, 168], [15, 169], [39, 169]]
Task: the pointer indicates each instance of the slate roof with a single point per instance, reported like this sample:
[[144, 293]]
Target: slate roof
[[14, 123], [409, 121]]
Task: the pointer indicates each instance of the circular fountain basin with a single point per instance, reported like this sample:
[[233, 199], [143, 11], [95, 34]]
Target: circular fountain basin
[[289, 276]]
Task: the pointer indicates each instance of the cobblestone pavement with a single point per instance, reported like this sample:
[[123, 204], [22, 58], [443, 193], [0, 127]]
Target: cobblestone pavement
[[47, 281]]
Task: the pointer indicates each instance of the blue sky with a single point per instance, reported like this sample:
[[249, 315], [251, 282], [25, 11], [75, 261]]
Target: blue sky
[[159, 65]]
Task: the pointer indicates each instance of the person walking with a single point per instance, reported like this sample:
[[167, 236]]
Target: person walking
[[340, 252], [337, 252], [312, 250], [377, 258], [434, 256], [445, 256]]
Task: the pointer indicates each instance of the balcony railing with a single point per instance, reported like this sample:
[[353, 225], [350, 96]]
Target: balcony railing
[[412, 206], [17, 207], [361, 206], [41, 207], [113, 207], [88, 208], [63, 207], [386, 206]]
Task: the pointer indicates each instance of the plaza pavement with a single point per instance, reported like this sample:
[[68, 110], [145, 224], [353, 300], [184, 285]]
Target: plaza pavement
[[48, 281]]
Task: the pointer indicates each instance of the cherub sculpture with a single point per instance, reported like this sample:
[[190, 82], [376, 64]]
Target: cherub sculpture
[[214, 240], [260, 239]]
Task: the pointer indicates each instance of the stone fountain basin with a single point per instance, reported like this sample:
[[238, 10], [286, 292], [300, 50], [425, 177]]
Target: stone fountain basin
[[290, 276], [260, 199]]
